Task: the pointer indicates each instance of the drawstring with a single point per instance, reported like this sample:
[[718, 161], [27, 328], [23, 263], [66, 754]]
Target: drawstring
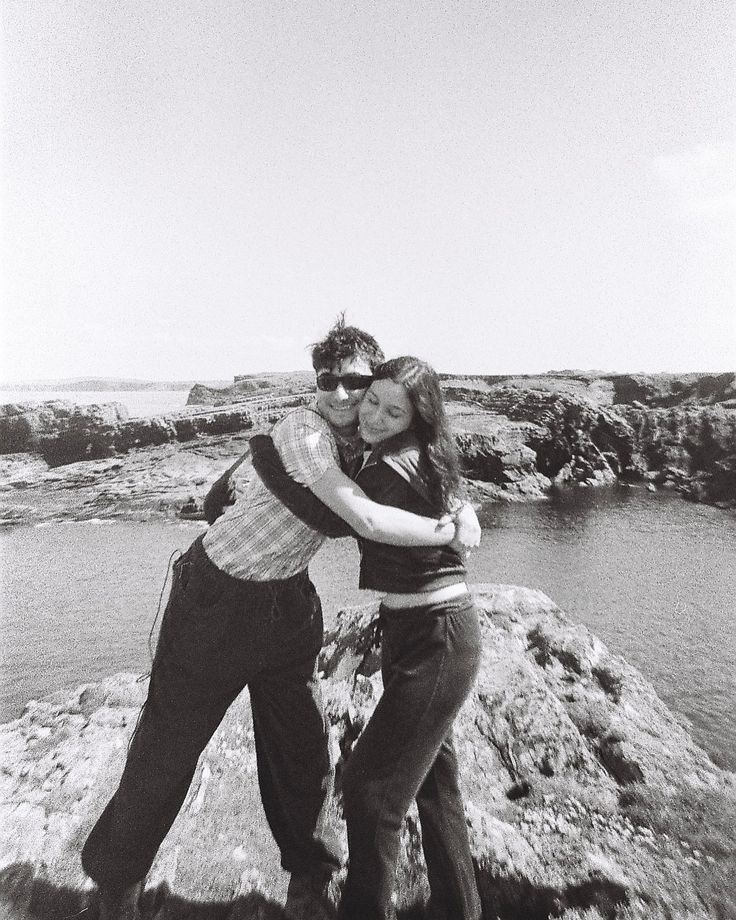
[[74, 916], [176, 552]]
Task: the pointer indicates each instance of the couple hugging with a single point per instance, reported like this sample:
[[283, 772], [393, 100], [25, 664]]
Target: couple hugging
[[373, 458]]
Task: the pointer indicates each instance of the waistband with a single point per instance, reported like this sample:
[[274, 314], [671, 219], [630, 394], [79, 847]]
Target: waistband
[[435, 595], [197, 556], [442, 608]]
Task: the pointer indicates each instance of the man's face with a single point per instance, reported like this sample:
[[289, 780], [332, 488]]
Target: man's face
[[340, 406]]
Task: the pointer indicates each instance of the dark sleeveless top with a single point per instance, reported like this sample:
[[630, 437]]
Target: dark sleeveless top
[[394, 474]]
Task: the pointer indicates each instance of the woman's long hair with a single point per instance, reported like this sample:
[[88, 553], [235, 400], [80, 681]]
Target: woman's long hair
[[430, 423]]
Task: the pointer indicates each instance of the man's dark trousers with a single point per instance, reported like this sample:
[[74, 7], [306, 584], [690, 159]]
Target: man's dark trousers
[[218, 635]]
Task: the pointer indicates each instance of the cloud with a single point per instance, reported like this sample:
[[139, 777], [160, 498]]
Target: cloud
[[703, 179]]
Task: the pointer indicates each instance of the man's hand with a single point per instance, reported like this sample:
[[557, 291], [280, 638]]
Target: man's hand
[[224, 492], [467, 530]]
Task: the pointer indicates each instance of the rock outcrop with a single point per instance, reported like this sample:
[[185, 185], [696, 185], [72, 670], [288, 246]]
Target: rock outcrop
[[144, 483], [693, 448], [585, 798], [555, 437], [667, 390], [52, 425], [523, 441], [248, 385], [201, 395], [516, 441], [63, 433], [651, 390]]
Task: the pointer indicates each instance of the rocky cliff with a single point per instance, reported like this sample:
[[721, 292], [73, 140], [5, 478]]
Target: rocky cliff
[[35, 428], [692, 447], [508, 435], [651, 390], [518, 438], [62, 432], [246, 385], [524, 441], [585, 798]]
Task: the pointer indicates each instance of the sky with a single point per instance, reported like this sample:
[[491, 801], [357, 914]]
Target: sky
[[194, 190]]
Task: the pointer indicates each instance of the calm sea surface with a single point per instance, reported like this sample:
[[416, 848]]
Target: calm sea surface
[[139, 403], [652, 575]]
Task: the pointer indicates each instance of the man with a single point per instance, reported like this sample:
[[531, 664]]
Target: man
[[242, 611]]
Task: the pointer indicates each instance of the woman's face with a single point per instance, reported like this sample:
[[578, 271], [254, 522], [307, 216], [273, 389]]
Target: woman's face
[[385, 411]]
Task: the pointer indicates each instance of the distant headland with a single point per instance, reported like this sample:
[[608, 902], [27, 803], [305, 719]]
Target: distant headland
[[102, 384], [608, 387]]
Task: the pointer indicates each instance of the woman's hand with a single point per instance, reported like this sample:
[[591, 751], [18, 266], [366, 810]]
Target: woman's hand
[[467, 530]]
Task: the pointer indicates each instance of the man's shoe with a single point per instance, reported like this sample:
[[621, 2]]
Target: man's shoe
[[120, 905], [311, 897]]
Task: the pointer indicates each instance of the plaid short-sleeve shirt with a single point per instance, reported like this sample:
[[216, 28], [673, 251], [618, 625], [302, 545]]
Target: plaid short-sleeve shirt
[[258, 538]]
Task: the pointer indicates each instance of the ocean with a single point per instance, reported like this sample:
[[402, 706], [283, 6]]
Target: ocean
[[139, 403], [652, 575]]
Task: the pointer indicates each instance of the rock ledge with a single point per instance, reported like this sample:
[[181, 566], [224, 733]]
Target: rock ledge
[[586, 799]]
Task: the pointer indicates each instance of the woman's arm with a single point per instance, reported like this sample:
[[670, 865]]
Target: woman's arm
[[380, 523]]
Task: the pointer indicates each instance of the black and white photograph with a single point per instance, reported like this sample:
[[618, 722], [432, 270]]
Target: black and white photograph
[[367, 460]]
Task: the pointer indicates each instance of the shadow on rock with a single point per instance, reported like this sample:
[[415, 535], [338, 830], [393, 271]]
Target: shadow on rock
[[517, 899], [26, 895]]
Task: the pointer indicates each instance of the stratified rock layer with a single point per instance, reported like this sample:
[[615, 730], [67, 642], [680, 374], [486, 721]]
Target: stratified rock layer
[[64, 433], [585, 798], [693, 447], [517, 437]]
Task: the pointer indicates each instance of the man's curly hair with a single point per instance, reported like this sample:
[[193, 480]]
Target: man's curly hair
[[343, 342]]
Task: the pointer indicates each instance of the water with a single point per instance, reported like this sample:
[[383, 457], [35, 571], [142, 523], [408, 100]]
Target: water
[[139, 403], [652, 575]]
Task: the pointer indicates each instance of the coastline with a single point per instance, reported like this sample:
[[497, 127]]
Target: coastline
[[587, 847], [518, 438]]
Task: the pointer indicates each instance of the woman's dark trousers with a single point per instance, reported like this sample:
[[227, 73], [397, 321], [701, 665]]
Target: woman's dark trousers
[[430, 658], [218, 635]]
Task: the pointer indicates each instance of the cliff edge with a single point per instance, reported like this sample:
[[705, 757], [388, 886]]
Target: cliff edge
[[585, 798]]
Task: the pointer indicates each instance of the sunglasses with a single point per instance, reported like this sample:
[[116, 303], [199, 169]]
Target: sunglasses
[[331, 382]]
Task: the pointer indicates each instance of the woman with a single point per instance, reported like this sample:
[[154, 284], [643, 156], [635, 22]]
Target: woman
[[430, 655]]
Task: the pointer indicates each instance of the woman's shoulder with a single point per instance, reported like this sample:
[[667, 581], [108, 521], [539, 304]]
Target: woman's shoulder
[[406, 456], [405, 459]]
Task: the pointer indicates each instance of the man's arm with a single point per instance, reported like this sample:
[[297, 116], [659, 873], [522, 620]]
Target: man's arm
[[350, 511], [302, 503], [468, 532], [334, 498], [382, 523]]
